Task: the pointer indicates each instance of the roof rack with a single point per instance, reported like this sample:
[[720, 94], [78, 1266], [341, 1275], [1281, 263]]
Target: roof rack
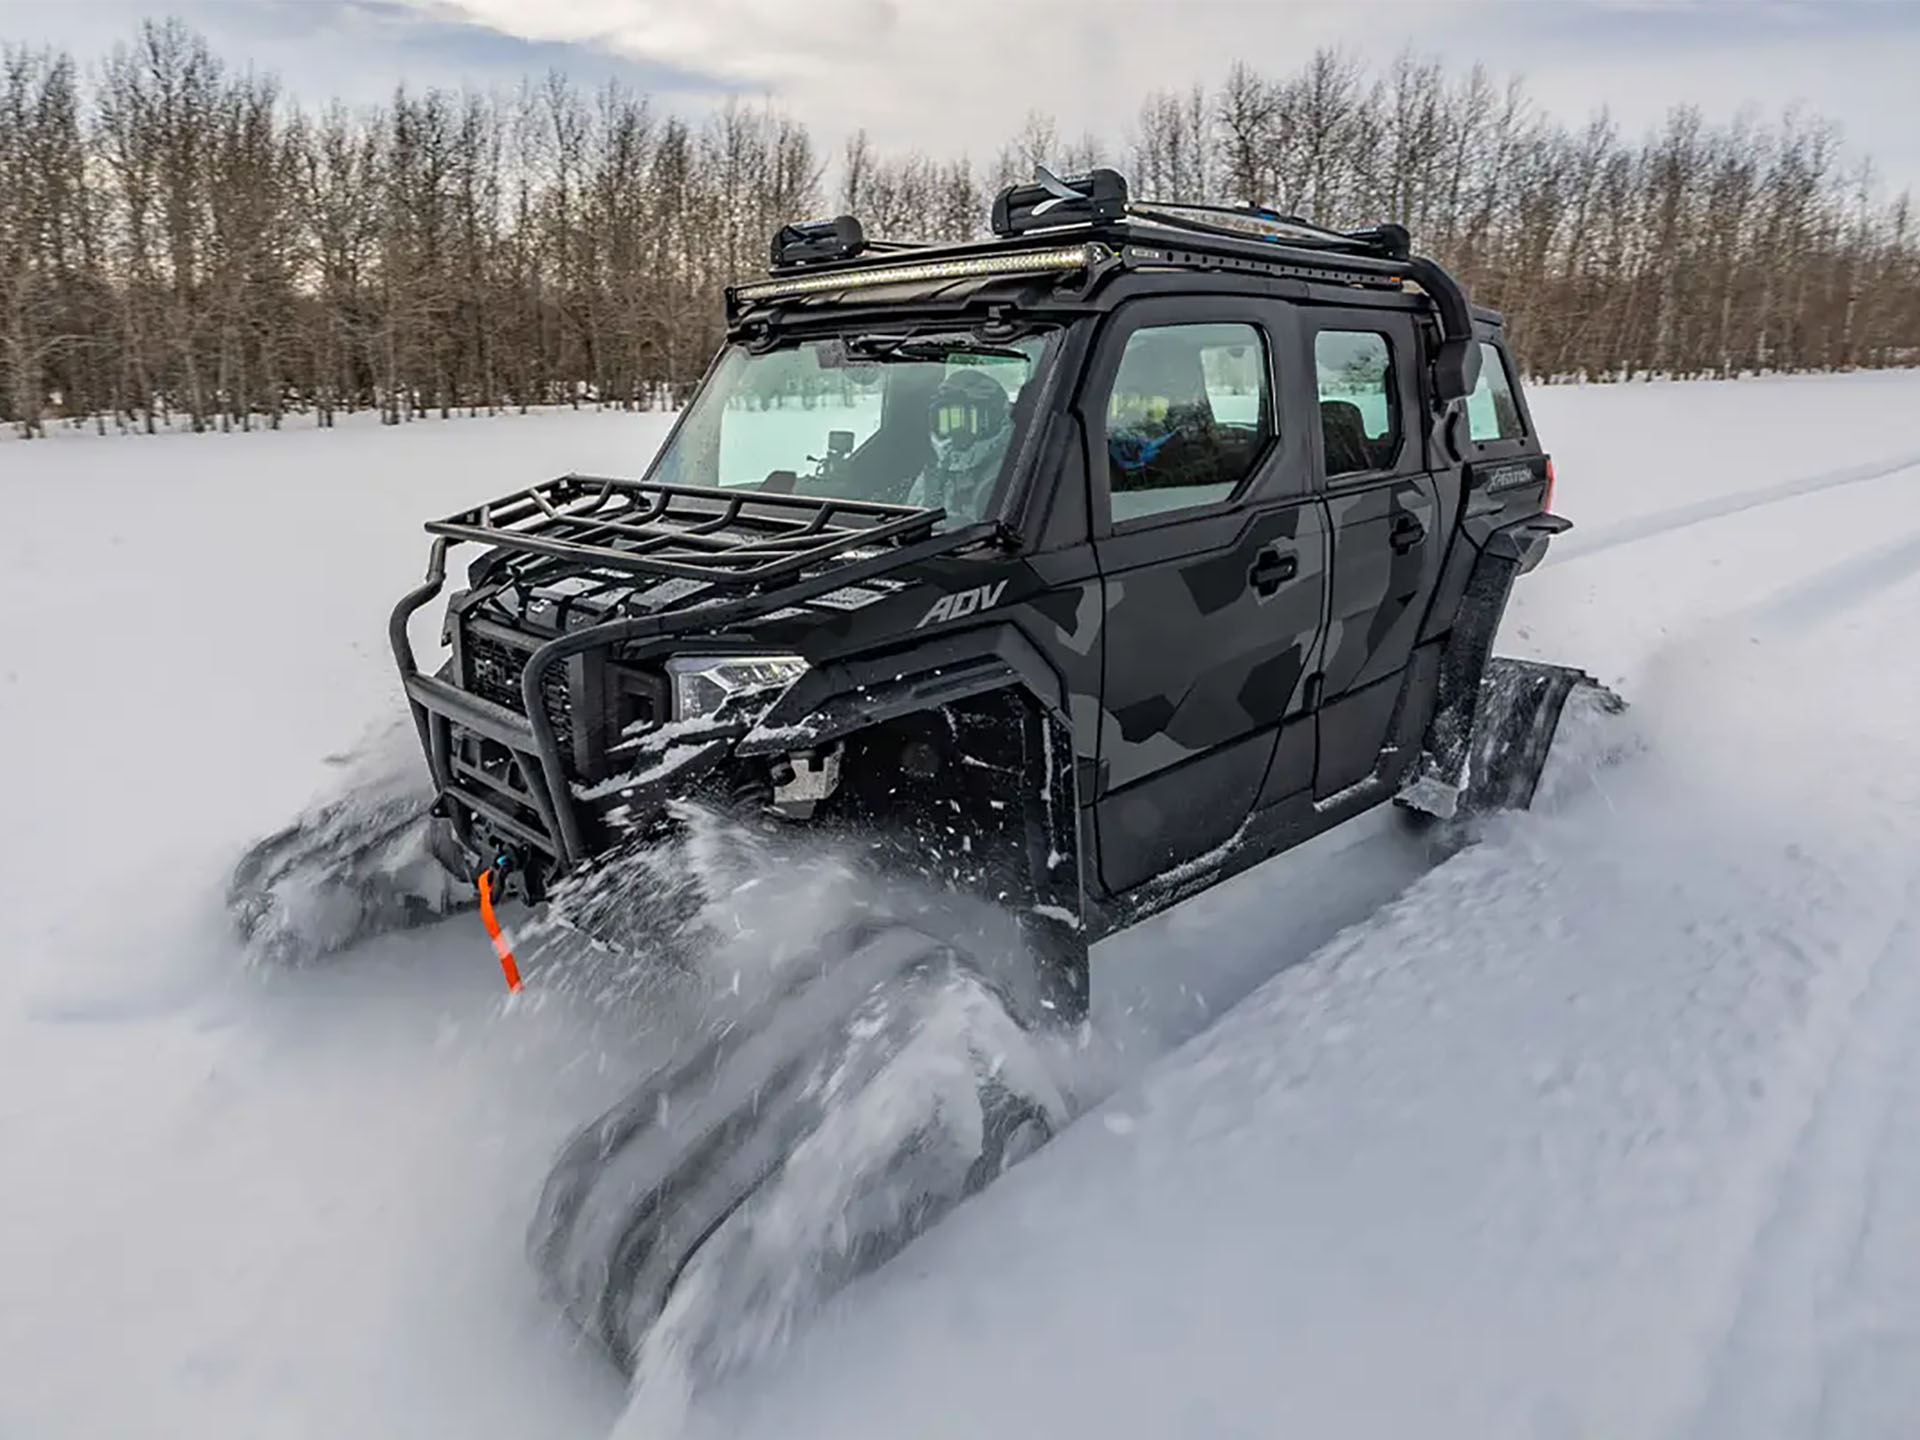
[[1255, 222], [1100, 196], [682, 531], [1089, 224]]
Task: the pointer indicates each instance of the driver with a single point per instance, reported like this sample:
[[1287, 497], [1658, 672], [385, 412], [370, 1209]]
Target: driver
[[969, 423]]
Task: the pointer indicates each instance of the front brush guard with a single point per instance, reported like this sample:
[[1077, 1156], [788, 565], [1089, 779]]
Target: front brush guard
[[539, 782], [461, 800]]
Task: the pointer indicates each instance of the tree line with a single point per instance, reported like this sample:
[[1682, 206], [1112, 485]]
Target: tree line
[[180, 244]]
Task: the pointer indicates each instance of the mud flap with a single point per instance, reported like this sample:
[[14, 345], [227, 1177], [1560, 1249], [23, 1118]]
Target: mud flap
[[1495, 718], [794, 1146]]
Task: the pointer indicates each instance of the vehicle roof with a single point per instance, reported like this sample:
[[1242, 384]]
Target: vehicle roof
[[1154, 256], [1061, 243]]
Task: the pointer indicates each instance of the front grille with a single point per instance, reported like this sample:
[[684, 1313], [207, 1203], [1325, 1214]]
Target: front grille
[[493, 673]]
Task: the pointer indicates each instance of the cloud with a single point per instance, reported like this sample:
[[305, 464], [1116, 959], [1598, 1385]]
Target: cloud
[[356, 50], [949, 74], [945, 75], [961, 75]]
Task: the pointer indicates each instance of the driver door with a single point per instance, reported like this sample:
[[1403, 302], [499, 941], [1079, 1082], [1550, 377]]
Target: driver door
[[1213, 556]]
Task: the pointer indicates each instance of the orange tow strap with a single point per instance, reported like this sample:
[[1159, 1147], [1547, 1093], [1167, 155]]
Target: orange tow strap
[[507, 966]]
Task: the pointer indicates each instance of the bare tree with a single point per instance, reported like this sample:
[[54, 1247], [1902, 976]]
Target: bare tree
[[1173, 150], [178, 241], [46, 269]]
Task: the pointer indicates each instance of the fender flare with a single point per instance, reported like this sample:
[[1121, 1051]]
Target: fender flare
[[843, 697], [1505, 555]]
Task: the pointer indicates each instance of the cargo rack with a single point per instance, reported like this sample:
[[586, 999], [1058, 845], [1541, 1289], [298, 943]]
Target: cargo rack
[[1083, 222], [742, 541], [1087, 227]]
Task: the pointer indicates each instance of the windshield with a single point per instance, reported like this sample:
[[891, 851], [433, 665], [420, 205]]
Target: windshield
[[913, 419]]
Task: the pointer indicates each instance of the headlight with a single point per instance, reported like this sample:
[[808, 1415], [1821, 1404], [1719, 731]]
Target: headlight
[[704, 683]]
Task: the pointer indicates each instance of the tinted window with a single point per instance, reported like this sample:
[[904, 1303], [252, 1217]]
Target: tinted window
[[1491, 411], [1359, 403], [1189, 415]]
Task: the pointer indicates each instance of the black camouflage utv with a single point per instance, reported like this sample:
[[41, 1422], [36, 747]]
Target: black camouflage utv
[[1081, 568]]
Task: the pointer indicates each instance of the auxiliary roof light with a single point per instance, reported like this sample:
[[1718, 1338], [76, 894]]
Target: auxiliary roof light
[[1020, 262]]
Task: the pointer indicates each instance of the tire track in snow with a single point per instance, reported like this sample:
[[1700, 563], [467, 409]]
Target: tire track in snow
[[1872, 1379], [1679, 517], [1807, 1329], [1771, 1375], [1827, 594]]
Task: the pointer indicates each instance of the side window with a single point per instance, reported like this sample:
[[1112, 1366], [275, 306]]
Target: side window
[[1491, 411], [1190, 414], [1359, 401]]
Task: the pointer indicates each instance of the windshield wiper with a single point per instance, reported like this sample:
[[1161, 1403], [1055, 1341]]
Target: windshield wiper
[[925, 347]]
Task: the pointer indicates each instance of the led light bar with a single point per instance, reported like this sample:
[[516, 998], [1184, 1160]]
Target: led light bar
[[1023, 262]]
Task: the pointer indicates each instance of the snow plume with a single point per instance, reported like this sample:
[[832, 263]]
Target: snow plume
[[926, 1068], [912, 1073], [354, 863], [711, 909], [1593, 736], [717, 910]]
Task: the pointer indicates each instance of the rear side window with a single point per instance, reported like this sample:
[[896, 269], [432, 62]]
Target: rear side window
[[1359, 403], [1188, 418], [1492, 413]]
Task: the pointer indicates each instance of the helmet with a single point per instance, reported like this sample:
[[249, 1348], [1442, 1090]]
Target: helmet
[[1159, 395], [968, 419]]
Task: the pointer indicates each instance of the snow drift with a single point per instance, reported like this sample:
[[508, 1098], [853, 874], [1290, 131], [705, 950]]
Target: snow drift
[[1604, 1126]]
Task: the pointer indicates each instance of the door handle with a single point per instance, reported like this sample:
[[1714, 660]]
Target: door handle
[[1272, 568], [1406, 533]]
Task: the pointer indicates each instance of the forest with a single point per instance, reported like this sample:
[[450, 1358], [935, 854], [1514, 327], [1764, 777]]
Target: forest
[[182, 246]]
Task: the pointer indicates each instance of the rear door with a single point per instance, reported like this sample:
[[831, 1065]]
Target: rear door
[[1385, 521], [1506, 473], [1213, 557]]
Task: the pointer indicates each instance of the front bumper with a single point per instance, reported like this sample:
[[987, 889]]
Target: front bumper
[[491, 784], [542, 784]]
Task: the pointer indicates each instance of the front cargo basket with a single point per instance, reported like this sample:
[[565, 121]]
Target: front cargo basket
[[740, 540]]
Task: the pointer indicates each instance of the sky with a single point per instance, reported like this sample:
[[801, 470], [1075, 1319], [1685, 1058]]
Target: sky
[[952, 75]]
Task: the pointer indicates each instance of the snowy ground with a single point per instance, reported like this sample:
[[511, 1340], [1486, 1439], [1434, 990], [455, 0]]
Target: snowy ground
[[1607, 1127]]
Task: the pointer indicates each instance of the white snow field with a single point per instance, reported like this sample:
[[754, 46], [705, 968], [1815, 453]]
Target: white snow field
[[1608, 1126]]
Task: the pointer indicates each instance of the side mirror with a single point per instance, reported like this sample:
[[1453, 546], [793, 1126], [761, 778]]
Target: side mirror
[[1456, 370], [839, 444], [1456, 364]]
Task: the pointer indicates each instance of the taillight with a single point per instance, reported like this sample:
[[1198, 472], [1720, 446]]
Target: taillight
[[1547, 504]]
